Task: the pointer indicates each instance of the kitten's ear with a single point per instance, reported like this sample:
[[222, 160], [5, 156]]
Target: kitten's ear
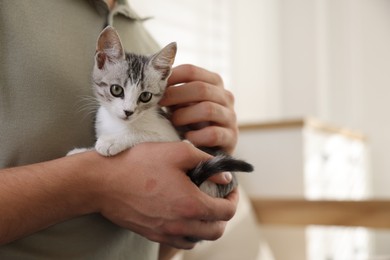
[[109, 47], [164, 59]]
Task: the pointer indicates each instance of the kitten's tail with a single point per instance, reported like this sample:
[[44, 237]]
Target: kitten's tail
[[220, 163]]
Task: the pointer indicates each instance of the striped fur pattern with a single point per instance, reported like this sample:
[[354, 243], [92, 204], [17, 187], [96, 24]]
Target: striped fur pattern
[[128, 87]]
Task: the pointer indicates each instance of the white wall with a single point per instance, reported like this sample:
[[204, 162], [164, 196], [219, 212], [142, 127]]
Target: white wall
[[200, 28], [324, 58], [256, 59], [359, 88]]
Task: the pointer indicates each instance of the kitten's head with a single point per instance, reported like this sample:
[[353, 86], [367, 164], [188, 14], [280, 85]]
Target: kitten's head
[[128, 84]]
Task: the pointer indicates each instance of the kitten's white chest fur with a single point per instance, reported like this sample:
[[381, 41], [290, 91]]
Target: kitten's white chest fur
[[115, 135], [129, 87]]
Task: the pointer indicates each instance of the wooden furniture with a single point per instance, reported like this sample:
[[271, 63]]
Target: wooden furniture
[[360, 213], [310, 174]]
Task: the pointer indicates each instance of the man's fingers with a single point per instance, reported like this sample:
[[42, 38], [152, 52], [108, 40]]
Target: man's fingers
[[212, 136], [186, 73], [189, 156], [222, 178], [203, 112], [201, 230], [196, 91]]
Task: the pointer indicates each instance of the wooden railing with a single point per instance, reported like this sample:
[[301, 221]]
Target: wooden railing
[[364, 213]]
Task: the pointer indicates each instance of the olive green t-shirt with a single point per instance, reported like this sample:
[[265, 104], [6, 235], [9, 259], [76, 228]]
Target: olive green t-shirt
[[46, 58]]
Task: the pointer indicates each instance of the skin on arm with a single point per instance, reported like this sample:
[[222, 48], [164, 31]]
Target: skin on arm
[[48, 193], [140, 199]]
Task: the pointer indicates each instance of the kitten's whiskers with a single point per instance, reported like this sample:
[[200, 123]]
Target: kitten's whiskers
[[87, 105]]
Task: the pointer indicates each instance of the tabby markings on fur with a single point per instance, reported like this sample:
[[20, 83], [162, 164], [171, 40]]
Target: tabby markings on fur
[[128, 87]]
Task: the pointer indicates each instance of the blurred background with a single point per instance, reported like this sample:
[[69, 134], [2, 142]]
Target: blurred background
[[287, 61]]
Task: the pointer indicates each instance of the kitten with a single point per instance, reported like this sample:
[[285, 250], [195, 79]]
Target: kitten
[[128, 87]]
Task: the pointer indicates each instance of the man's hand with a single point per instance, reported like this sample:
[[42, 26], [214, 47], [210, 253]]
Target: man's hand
[[197, 97], [148, 192], [144, 189]]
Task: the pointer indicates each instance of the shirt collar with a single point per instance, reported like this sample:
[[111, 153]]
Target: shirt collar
[[122, 7]]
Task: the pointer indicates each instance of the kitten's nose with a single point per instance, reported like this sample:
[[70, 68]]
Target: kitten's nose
[[128, 113]]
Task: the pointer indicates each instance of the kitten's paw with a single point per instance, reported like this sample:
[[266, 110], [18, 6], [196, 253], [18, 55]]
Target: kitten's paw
[[209, 188], [77, 150], [217, 190], [109, 147]]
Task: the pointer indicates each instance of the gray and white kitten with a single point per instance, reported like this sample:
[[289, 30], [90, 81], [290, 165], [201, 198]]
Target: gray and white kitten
[[128, 87]]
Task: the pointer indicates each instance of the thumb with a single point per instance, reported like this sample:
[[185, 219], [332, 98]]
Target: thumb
[[189, 155], [222, 178]]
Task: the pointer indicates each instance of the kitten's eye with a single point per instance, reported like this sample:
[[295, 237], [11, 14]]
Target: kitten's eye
[[116, 90], [145, 97]]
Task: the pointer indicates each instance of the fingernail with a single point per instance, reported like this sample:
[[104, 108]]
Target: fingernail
[[228, 176]]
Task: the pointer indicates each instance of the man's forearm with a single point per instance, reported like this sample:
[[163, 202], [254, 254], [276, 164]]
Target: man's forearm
[[37, 196]]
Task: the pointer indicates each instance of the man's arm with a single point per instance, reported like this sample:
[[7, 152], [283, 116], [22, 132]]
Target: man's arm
[[37, 196], [152, 197]]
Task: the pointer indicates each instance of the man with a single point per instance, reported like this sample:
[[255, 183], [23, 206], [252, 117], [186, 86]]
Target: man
[[86, 206]]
